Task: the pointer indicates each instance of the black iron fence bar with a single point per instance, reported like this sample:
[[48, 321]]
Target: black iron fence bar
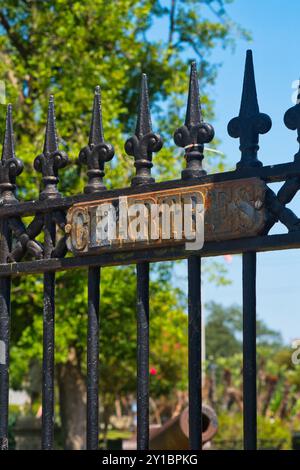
[[194, 354], [249, 351], [192, 136], [93, 358], [5, 286], [142, 271], [247, 126], [94, 156], [10, 167], [270, 174], [48, 342], [259, 244], [48, 362], [48, 339], [48, 163], [140, 146]]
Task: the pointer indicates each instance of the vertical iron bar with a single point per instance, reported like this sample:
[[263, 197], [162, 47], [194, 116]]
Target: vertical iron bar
[[93, 359], [249, 350], [142, 356], [5, 285], [194, 332], [48, 341]]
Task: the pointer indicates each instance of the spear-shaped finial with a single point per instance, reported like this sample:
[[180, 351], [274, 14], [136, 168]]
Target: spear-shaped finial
[[52, 159], [10, 166], [96, 129], [97, 152], [143, 123], [250, 122], [8, 149], [144, 142], [50, 142], [195, 133], [292, 121], [193, 109]]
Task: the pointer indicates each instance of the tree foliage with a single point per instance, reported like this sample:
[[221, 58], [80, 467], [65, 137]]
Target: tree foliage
[[224, 331], [278, 384]]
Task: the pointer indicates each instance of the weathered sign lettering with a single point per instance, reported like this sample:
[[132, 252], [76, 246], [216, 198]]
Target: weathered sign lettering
[[223, 211]]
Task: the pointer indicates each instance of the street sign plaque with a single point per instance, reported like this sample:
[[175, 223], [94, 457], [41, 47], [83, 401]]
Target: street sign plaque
[[228, 210]]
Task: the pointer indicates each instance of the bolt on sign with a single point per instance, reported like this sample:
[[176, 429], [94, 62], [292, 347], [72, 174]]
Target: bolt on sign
[[186, 215]]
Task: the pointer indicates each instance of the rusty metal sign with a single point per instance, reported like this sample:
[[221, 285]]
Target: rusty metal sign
[[224, 211]]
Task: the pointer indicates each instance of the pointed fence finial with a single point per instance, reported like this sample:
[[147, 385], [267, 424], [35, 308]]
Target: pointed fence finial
[[195, 133], [292, 121], [8, 149], [51, 142], [52, 159], [96, 129], [97, 152], [143, 123], [144, 142], [10, 166], [250, 122]]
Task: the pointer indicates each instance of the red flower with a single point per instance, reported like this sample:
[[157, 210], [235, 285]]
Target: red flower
[[153, 371]]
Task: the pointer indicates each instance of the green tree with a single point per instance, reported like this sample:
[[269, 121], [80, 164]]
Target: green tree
[[67, 47], [224, 328]]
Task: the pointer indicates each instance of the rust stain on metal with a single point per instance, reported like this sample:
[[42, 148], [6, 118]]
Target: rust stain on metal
[[232, 210]]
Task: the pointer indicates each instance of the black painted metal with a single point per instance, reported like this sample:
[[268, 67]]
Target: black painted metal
[[5, 284], [250, 122], [259, 244], [194, 331], [97, 152], [48, 163], [94, 156], [141, 146], [48, 257], [247, 126], [48, 340], [10, 167], [142, 270], [48, 362], [269, 174], [195, 133], [144, 142], [93, 359], [52, 159], [249, 350]]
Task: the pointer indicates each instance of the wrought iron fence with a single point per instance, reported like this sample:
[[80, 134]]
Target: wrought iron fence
[[244, 191]]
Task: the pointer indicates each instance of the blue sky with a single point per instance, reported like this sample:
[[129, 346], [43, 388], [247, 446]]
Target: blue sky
[[274, 26]]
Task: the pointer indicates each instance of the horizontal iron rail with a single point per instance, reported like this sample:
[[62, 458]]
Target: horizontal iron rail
[[270, 174], [218, 248]]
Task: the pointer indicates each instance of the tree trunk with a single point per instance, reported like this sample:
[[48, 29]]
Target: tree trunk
[[72, 402]]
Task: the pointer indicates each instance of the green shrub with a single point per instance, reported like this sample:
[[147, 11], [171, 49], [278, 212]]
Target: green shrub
[[271, 432]]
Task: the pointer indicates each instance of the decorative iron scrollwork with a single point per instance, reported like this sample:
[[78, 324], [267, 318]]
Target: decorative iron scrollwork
[[144, 142], [250, 121], [97, 152], [10, 166], [52, 159], [195, 132]]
